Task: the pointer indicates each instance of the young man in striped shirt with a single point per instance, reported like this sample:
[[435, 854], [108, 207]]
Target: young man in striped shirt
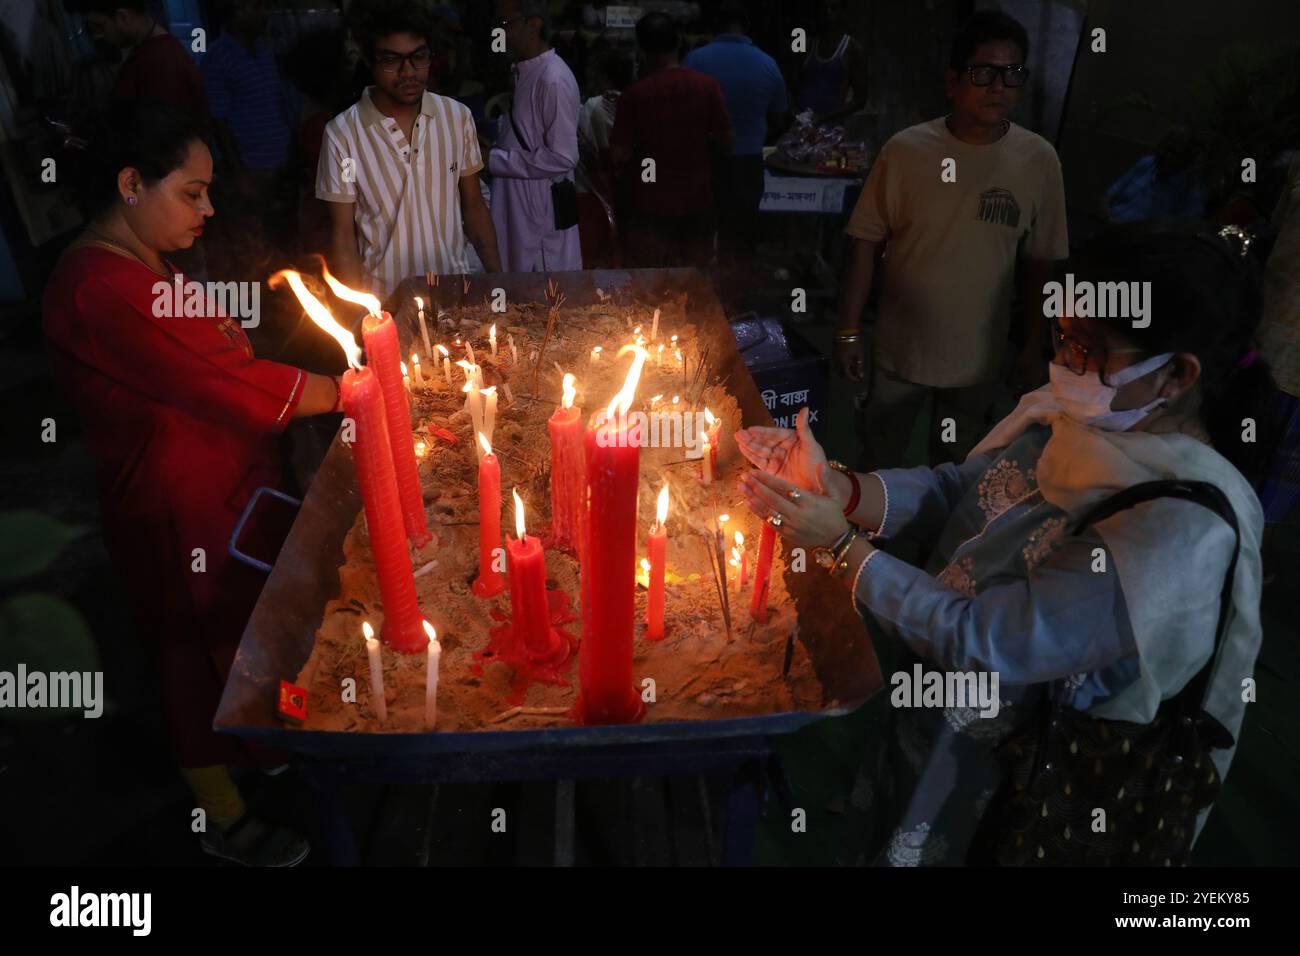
[[399, 168]]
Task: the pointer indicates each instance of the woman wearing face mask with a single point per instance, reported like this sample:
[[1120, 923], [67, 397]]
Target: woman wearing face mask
[[1116, 616]]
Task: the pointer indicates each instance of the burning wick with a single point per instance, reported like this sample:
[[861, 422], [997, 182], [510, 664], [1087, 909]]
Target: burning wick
[[424, 329], [446, 364], [492, 339], [595, 355]]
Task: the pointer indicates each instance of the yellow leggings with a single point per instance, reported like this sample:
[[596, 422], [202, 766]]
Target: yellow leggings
[[215, 793]]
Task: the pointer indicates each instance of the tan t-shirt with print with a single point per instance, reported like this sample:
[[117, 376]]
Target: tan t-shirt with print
[[950, 247]]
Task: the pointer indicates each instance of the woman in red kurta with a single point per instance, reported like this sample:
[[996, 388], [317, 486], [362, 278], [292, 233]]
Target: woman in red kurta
[[183, 422]]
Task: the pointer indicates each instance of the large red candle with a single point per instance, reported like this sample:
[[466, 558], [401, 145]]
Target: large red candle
[[529, 610], [489, 582], [567, 469], [656, 546], [383, 355], [363, 403], [605, 665], [762, 574]]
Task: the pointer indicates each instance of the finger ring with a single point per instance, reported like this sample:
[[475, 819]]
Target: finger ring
[[793, 494], [775, 519]]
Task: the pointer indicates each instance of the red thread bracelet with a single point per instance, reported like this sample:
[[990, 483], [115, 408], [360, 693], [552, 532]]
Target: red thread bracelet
[[855, 496]]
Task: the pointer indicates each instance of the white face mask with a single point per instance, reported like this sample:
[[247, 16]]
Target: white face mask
[[1086, 399]]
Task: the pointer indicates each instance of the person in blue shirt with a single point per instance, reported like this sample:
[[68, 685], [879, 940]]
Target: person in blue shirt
[[244, 94], [754, 91], [1163, 184]]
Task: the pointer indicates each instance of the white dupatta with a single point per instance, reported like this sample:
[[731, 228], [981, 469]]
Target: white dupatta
[[1170, 556]]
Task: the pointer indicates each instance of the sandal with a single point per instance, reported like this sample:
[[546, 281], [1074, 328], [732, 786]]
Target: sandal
[[251, 841]]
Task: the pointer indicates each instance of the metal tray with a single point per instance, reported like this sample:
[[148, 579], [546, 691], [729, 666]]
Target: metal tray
[[279, 637]]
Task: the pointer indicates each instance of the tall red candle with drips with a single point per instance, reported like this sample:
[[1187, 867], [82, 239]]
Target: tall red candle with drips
[[605, 665], [383, 355], [567, 471], [762, 574], [363, 403], [489, 582]]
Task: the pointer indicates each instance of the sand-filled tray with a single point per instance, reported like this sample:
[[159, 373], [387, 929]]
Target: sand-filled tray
[[702, 671]]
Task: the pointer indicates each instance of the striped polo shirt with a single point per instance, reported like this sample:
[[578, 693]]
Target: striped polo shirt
[[406, 194]]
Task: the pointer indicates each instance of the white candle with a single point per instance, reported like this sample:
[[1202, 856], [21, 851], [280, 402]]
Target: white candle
[[514, 352], [659, 360], [424, 329], [654, 327], [708, 463], [489, 411], [510, 398], [376, 673], [472, 402], [406, 377], [446, 365], [492, 339], [431, 677], [469, 353], [415, 369]]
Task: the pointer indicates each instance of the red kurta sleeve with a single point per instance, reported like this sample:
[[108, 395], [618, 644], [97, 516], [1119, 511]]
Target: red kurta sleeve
[[203, 366]]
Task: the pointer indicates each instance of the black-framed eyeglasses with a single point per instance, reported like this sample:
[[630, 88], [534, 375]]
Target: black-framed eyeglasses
[[1075, 352], [983, 74], [392, 62]]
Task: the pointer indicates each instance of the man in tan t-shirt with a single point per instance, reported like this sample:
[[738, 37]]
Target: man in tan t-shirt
[[954, 203]]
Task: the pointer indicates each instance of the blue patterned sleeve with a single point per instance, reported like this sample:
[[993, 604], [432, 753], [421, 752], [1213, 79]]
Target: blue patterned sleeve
[[1064, 618], [919, 500]]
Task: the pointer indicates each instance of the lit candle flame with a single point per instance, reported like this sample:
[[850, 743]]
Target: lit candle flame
[[708, 417], [637, 330], [371, 304], [404, 370], [492, 332], [676, 399], [420, 449], [487, 446], [723, 519], [415, 359], [645, 564], [661, 512], [367, 630], [443, 350], [317, 312], [740, 540], [490, 390], [622, 401], [519, 515], [570, 392], [431, 631], [419, 303]]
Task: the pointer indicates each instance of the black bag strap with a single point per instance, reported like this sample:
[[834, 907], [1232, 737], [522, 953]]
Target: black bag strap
[[1208, 496], [515, 126]]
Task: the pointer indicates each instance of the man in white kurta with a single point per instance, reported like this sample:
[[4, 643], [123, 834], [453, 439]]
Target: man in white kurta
[[538, 146]]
